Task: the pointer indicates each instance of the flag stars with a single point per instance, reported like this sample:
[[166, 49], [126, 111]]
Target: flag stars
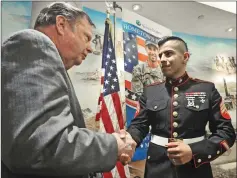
[[125, 52], [133, 57], [133, 46], [111, 81], [129, 60], [128, 49], [125, 64], [106, 82], [128, 39], [126, 93], [134, 97]]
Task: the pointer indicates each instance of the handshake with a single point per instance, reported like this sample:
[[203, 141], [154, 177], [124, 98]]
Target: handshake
[[126, 146]]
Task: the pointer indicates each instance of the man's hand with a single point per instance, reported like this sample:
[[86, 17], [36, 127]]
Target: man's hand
[[131, 144], [126, 157], [126, 146], [179, 152]]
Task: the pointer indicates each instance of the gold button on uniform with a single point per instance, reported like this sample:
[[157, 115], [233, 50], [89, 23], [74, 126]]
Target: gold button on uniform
[[175, 124], [175, 134], [199, 160], [155, 107], [176, 95], [176, 89], [148, 157], [175, 114], [197, 107], [209, 156], [175, 103], [218, 152]]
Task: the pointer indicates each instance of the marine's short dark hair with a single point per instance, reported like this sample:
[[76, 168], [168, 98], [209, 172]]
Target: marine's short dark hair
[[48, 14], [163, 40]]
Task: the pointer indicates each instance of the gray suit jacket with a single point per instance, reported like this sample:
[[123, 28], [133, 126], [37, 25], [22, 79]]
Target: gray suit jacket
[[43, 129]]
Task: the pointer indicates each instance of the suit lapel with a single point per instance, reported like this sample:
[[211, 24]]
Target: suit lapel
[[75, 106]]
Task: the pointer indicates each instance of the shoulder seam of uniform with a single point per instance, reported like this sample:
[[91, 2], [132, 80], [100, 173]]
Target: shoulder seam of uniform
[[199, 80]]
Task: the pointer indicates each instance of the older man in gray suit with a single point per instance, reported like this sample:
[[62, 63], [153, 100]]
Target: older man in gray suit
[[43, 129]]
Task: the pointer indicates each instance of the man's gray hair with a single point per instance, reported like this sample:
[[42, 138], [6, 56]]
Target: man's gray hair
[[48, 15]]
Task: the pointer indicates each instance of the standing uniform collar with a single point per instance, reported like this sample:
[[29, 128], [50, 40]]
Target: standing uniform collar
[[179, 81]]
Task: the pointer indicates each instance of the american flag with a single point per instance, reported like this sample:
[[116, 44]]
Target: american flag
[[109, 115], [134, 53]]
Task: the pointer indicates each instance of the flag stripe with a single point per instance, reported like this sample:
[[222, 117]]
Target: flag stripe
[[128, 85], [127, 76], [140, 41], [106, 118], [108, 175], [141, 50], [128, 79], [121, 171], [97, 117], [131, 102], [142, 54], [142, 57], [117, 106], [102, 72], [112, 111], [102, 80], [102, 127]]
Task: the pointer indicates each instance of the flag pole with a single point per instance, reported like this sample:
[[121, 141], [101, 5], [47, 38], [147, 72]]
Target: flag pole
[[115, 6], [107, 13]]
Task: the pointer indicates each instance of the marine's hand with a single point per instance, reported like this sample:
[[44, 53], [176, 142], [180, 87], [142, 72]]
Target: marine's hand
[[179, 152]]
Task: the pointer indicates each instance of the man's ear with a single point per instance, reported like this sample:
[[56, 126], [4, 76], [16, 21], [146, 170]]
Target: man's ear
[[61, 24], [186, 57]]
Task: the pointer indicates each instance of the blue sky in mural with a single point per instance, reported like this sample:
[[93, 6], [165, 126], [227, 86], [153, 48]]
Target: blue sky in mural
[[17, 8], [15, 16], [98, 17], [203, 52], [204, 49]]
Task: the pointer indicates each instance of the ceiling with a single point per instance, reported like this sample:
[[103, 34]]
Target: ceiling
[[227, 6], [179, 16]]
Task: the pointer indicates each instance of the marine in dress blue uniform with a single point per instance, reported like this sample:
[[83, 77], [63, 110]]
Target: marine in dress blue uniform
[[178, 110]]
